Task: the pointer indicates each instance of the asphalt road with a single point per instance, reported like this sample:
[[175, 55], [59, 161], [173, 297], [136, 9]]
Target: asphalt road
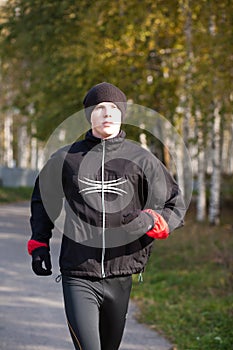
[[31, 307]]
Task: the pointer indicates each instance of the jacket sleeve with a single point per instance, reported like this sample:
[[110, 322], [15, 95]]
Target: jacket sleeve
[[46, 200], [165, 196]]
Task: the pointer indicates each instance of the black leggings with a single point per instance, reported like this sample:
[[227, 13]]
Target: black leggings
[[96, 311]]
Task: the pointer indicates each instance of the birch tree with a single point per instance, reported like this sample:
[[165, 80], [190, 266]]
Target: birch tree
[[8, 159], [187, 105], [23, 146], [201, 171], [174, 57], [214, 206]]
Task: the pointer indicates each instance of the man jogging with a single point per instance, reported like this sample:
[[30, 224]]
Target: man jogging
[[118, 199]]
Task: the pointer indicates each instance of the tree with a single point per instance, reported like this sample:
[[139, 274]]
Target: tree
[[174, 57]]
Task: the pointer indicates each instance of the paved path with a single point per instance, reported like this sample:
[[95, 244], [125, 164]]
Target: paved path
[[31, 307]]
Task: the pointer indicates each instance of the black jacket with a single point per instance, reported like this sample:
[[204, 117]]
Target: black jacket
[[94, 183]]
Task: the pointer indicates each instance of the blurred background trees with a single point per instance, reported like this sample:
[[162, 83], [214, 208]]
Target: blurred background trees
[[174, 57]]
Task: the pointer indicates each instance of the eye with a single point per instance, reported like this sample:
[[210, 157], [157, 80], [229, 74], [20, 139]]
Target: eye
[[99, 107]]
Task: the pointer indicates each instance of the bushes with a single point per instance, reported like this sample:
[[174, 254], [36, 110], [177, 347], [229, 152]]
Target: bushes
[[12, 194]]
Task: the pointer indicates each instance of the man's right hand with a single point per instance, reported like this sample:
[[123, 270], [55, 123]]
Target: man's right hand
[[138, 221], [147, 221]]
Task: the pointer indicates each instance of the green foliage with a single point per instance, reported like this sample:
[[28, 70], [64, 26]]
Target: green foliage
[[53, 52], [14, 194], [174, 57]]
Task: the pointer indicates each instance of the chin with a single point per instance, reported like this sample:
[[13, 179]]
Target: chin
[[111, 132]]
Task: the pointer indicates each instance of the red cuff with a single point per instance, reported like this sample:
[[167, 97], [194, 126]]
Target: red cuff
[[32, 245], [160, 229]]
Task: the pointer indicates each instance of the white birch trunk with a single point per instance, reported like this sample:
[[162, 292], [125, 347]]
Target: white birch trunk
[[201, 185], [1, 140], [201, 181], [142, 139], [231, 148], [208, 152], [33, 162], [227, 149], [225, 145], [186, 173], [214, 206], [23, 147], [168, 143], [8, 159], [33, 149], [180, 168], [40, 156], [188, 91], [185, 103]]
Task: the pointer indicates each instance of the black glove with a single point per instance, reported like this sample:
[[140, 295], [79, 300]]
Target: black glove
[[39, 256], [138, 221]]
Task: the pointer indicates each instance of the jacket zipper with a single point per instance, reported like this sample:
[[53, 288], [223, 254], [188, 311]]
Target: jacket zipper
[[103, 211]]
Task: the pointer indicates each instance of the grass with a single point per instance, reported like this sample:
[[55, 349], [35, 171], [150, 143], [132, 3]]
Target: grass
[[14, 194], [188, 285]]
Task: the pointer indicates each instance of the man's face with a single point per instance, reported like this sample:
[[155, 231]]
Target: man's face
[[106, 120]]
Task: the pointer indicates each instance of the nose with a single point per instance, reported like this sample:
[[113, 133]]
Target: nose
[[107, 111]]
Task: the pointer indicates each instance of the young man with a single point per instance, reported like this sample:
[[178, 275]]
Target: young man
[[119, 198]]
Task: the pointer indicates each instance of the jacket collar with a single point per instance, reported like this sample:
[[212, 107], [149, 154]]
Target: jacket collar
[[117, 140]]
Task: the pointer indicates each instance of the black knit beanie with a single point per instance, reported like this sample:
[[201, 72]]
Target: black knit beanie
[[104, 92]]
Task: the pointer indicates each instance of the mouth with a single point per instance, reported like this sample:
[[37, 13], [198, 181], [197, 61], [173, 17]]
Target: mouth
[[108, 123]]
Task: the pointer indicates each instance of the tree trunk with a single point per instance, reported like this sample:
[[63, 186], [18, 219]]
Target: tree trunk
[[231, 148], [187, 93], [23, 147], [33, 149], [8, 159], [201, 181], [201, 186], [40, 155], [214, 205], [168, 145], [142, 139], [180, 167], [227, 148]]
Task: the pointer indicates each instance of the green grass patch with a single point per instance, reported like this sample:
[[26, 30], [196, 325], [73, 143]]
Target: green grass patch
[[188, 285], [14, 194]]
